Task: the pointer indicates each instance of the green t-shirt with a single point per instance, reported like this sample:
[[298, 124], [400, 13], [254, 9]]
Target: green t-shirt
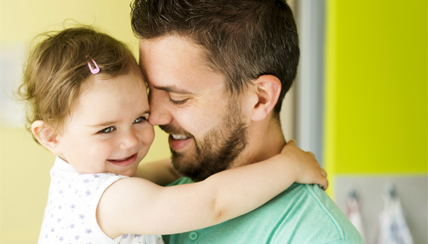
[[301, 214]]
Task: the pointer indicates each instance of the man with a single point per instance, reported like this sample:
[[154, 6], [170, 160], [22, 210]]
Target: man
[[218, 71]]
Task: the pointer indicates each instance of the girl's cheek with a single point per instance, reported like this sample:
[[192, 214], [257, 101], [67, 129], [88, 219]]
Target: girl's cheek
[[149, 136]]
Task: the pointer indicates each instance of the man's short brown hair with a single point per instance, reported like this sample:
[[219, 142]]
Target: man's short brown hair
[[242, 39]]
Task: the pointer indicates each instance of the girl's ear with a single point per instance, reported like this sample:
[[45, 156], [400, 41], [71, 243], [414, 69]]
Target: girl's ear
[[268, 88], [46, 135]]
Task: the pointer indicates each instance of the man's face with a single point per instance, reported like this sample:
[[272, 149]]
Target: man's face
[[190, 102]]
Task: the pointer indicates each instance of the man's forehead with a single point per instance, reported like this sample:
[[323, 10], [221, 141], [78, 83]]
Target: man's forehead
[[176, 64]]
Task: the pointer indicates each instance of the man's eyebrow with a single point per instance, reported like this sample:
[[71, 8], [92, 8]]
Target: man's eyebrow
[[173, 89], [107, 123]]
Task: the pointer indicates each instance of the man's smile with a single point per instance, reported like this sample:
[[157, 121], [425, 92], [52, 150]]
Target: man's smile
[[179, 142], [179, 137]]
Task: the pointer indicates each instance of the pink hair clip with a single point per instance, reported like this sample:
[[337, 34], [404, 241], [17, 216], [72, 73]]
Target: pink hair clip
[[95, 70]]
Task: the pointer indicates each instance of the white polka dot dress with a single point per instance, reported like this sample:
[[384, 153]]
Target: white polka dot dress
[[70, 214]]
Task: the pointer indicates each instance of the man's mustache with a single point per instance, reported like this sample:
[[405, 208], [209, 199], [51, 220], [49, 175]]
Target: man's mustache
[[173, 130]]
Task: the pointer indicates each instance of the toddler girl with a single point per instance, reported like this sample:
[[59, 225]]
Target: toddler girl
[[88, 105]]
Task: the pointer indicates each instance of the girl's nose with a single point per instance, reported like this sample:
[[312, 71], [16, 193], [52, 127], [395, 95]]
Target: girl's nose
[[129, 140]]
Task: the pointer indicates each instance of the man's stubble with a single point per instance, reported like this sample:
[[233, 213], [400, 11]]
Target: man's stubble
[[216, 151]]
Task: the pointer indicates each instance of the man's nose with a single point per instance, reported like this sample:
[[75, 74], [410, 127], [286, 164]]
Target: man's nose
[[159, 113]]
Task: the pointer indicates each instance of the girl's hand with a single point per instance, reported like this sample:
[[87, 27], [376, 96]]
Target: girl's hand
[[308, 168]]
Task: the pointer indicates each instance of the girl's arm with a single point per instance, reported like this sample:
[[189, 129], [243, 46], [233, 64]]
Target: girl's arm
[[137, 206], [159, 172]]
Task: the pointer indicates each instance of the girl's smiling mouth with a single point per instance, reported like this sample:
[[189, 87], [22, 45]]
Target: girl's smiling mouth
[[124, 161]]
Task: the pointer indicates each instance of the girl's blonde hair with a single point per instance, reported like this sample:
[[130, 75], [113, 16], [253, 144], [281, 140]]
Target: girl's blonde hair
[[58, 66]]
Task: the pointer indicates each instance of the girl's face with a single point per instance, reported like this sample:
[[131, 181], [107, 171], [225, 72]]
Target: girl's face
[[107, 130]]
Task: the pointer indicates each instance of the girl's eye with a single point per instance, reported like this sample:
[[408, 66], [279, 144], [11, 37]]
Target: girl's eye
[[178, 102], [107, 130], [140, 119]]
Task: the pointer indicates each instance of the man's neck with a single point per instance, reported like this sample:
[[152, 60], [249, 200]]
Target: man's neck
[[265, 141]]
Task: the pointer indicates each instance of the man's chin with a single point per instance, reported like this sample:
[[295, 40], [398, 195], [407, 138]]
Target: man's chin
[[188, 166]]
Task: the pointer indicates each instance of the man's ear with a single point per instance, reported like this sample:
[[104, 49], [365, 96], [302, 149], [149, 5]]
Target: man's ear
[[268, 88], [46, 135]]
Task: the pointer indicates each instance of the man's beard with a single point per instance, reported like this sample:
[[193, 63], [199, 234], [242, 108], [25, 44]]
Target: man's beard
[[216, 152]]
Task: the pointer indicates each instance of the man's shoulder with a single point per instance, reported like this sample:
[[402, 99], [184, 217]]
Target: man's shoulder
[[300, 214], [310, 214]]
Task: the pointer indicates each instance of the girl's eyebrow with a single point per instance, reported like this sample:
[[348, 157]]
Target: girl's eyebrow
[[114, 122], [104, 124]]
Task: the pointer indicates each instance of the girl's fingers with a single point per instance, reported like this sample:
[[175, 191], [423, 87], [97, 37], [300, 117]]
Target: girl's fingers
[[323, 173], [292, 142], [324, 181], [324, 184], [311, 154]]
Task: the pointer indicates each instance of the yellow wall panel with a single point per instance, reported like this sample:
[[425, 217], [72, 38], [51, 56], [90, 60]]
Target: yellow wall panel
[[24, 184], [376, 87], [23, 19]]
